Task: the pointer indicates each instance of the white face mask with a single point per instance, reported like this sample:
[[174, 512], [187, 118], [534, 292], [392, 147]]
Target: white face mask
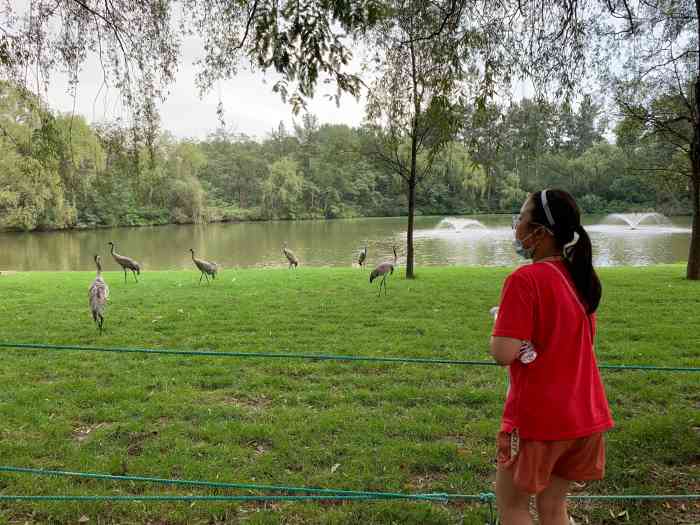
[[520, 249]]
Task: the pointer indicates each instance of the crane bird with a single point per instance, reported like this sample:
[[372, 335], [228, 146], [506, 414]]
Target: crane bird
[[384, 270], [127, 263], [363, 258], [289, 254], [97, 295], [206, 267]]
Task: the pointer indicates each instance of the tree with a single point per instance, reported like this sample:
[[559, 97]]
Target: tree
[[32, 194], [81, 158], [138, 43], [282, 189], [413, 99], [658, 45]]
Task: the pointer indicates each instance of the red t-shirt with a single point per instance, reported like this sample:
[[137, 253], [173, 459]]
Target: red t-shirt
[[560, 395]]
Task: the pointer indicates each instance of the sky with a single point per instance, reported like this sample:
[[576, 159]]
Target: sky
[[250, 106]]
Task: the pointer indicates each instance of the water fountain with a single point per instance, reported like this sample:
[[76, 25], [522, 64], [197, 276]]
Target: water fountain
[[635, 219], [457, 224]]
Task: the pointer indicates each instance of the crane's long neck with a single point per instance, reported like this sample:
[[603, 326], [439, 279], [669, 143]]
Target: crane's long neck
[[192, 252], [111, 249], [396, 257], [99, 267]]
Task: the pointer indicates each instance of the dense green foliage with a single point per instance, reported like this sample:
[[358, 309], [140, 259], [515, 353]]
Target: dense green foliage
[[59, 172], [364, 426]]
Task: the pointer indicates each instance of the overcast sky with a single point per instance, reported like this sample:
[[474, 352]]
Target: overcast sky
[[250, 106]]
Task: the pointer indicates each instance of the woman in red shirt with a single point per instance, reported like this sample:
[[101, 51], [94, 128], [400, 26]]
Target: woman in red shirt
[[555, 411]]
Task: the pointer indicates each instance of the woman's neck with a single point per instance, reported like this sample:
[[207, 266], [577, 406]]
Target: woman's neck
[[547, 253]]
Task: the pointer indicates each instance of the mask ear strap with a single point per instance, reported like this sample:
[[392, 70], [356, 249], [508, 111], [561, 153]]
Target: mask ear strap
[[568, 249]]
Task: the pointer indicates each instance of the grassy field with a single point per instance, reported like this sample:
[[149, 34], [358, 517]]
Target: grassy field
[[363, 426]]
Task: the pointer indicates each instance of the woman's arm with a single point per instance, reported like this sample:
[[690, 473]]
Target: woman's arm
[[505, 350]]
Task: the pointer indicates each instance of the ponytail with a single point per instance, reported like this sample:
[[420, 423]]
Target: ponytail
[[562, 217], [578, 257]]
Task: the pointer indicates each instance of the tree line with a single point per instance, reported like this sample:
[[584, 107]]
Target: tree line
[[57, 171]]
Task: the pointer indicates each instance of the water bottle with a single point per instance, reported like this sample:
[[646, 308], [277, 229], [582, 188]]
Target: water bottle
[[527, 352]]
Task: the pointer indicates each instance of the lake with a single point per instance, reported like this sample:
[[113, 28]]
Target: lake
[[439, 240]]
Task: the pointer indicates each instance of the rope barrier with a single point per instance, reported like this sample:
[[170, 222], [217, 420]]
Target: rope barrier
[[318, 357], [310, 494], [317, 493], [220, 484], [336, 497]]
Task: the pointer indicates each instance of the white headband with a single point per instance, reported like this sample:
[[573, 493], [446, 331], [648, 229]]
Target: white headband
[[543, 197]]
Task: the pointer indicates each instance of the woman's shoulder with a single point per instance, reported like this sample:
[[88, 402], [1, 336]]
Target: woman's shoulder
[[538, 271]]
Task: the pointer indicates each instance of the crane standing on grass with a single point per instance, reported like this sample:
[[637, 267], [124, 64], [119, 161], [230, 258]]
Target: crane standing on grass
[[363, 258], [384, 270], [289, 254], [97, 295], [206, 267], [127, 263]]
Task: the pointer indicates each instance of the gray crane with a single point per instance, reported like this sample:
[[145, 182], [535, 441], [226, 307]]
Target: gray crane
[[363, 258], [206, 267], [289, 254], [383, 270], [127, 263], [97, 295]]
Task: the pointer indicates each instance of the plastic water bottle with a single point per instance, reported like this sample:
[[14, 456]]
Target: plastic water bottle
[[527, 352]]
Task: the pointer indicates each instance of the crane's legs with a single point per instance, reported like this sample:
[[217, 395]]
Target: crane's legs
[[124, 275], [382, 283], [200, 278], [134, 274]]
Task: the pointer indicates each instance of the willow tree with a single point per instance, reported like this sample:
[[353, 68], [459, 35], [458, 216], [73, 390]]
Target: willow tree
[[138, 44], [654, 82]]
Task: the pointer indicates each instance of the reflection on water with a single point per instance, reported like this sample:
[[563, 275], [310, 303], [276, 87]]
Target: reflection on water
[[474, 240]]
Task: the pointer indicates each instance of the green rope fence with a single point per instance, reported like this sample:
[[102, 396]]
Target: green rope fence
[[311, 493], [223, 485], [302, 493], [318, 357]]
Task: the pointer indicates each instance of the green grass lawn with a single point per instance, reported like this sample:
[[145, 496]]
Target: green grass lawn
[[350, 425]]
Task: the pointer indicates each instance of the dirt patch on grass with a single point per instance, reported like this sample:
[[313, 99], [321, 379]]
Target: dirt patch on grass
[[425, 481], [454, 439], [252, 404], [136, 441], [260, 446], [82, 433], [675, 480]]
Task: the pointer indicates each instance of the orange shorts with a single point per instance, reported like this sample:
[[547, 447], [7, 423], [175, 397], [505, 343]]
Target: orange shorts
[[534, 462]]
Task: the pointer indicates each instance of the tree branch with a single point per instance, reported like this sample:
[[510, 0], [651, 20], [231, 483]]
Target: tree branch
[[456, 7], [247, 26]]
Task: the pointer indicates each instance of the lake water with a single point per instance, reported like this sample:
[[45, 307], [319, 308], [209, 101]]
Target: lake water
[[472, 240]]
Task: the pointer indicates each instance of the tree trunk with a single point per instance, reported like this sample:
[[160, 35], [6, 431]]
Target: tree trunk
[[693, 269], [413, 175], [411, 220]]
